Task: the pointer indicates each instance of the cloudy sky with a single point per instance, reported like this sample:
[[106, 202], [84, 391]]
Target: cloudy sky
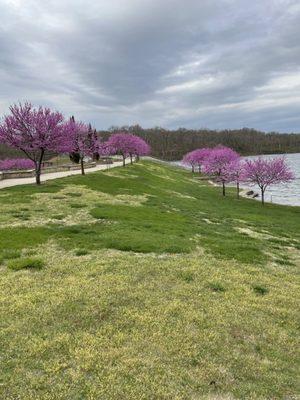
[[171, 63]]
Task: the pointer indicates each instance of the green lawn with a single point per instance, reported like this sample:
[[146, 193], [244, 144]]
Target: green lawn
[[145, 283]]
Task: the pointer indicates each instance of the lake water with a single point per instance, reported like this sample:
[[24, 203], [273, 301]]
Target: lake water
[[287, 194]]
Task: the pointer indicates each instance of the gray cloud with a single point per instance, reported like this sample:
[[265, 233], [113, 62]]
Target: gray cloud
[[213, 63]]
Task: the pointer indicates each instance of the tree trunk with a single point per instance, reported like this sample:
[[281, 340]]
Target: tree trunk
[[223, 187], [131, 162], [38, 173], [38, 167], [262, 197], [137, 158], [199, 168], [124, 158], [238, 190], [82, 166], [193, 169]]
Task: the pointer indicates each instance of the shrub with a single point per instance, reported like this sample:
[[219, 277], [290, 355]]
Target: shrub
[[16, 164], [25, 263]]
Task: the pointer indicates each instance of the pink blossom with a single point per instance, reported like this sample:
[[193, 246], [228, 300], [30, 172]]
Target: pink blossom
[[16, 164], [235, 172], [267, 171], [196, 158], [126, 145], [33, 131], [218, 164], [82, 141]]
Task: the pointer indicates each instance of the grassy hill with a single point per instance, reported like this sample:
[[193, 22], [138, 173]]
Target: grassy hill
[[146, 284]]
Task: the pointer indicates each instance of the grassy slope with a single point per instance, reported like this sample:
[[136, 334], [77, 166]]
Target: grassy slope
[[166, 304]]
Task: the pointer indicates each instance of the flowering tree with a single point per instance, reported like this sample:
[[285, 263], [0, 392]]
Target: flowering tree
[[218, 164], [16, 164], [235, 172], [137, 147], [126, 145], [82, 142], [188, 159], [266, 172], [118, 143], [196, 158], [34, 131]]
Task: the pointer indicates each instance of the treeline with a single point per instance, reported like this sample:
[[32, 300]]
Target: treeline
[[173, 144]]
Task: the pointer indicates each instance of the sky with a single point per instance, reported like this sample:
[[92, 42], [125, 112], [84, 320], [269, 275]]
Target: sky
[[172, 63]]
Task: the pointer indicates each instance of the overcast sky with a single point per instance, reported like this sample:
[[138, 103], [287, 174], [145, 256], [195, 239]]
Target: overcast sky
[[171, 63]]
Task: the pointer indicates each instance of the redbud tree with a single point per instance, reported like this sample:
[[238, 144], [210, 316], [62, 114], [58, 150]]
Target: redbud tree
[[137, 147], [235, 173], [127, 145], [34, 131], [217, 163], [196, 158], [82, 142], [265, 172]]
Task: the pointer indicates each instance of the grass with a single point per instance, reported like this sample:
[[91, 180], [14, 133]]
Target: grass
[[25, 263], [156, 287]]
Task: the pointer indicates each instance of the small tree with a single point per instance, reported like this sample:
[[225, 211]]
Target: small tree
[[119, 143], [82, 142], [196, 158], [217, 164], [267, 171], [34, 131], [235, 172], [137, 147]]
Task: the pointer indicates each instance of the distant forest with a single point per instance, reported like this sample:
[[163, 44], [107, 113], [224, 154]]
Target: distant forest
[[173, 144]]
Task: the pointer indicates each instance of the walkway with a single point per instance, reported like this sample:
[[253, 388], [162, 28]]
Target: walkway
[[5, 183]]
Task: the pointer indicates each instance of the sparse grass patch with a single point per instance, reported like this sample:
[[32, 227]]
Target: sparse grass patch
[[77, 205], [8, 254], [187, 276], [81, 252], [261, 290], [283, 261], [25, 263], [216, 287], [58, 217], [74, 194]]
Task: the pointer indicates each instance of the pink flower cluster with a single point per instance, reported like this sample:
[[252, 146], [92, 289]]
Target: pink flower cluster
[[226, 166], [127, 145], [16, 164]]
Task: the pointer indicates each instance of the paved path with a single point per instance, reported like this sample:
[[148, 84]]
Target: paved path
[[5, 183]]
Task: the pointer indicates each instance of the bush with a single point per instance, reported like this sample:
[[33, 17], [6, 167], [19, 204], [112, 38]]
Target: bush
[[25, 263]]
